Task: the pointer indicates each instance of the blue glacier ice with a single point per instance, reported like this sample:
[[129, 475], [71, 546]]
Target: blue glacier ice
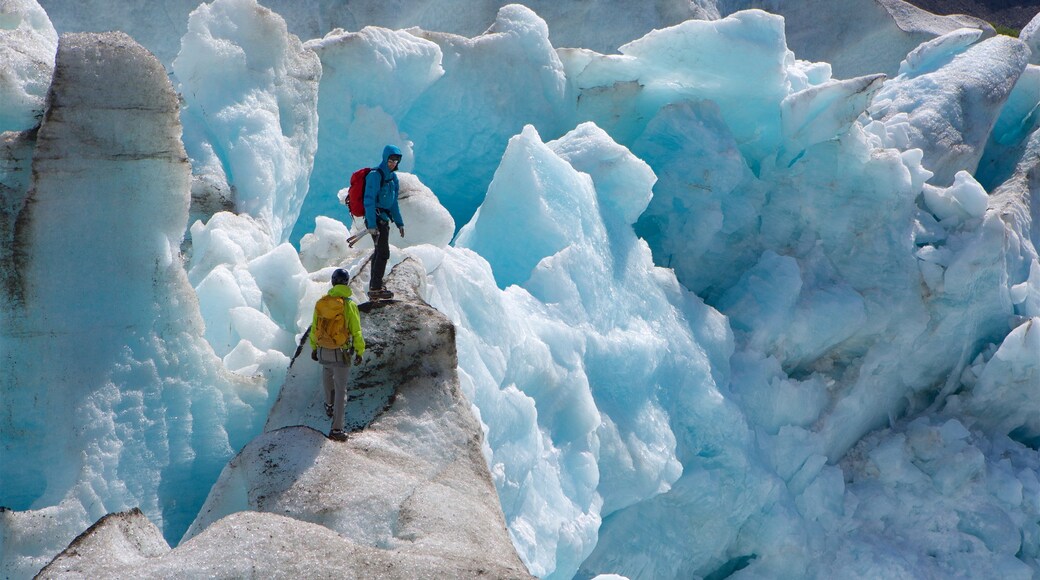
[[720, 311]]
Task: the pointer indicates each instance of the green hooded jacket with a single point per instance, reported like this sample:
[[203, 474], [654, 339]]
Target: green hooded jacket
[[350, 314]]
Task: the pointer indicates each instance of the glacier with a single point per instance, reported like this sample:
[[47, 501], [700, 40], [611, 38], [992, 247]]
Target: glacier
[[721, 307]]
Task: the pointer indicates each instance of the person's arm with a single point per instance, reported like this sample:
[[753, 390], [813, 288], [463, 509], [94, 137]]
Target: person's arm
[[395, 211], [314, 324], [354, 327]]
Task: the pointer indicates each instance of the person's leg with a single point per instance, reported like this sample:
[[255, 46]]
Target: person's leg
[[327, 382], [341, 376], [382, 254]]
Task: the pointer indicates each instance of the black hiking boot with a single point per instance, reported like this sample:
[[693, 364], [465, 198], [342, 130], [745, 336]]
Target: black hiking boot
[[379, 294], [337, 435], [328, 410]]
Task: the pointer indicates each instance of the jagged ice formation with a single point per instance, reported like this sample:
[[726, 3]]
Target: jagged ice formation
[[718, 311]]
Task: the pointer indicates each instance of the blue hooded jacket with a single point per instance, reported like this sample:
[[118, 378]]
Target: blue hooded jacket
[[381, 189]]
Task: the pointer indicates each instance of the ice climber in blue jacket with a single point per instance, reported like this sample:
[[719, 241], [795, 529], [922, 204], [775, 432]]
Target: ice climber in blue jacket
[[381, 187]]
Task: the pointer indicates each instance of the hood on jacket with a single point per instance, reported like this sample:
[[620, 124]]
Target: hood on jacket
[[387, 152]]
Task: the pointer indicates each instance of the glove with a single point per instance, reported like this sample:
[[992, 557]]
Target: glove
[[401, 229], [373, 232], [314, 355], [357, 359]]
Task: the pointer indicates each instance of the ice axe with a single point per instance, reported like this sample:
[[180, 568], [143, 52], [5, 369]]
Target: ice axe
[[356, 238]]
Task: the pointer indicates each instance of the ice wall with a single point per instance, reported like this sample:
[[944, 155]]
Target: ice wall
[[250, 121], [562, 345], [250, 91], [718, 312], [447, 100], [27, 45], [951, 125], [113, 399], [856, 37], [601, 25], [370, 80]]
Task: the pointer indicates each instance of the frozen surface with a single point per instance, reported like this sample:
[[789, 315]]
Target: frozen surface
[[562, 345], [1028, 34], [442, 98], [601, 25], [251, 126], [857, 37], [411, 489], [370, 79], [948, 110], [718, 310], [27, 45], [245, 542], [113, 397]]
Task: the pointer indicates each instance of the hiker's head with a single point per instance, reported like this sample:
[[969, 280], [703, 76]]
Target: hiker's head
[[391, 156], [340, 277]]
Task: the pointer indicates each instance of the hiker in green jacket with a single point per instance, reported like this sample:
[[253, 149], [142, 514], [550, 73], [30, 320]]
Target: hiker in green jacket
[[335, 336]]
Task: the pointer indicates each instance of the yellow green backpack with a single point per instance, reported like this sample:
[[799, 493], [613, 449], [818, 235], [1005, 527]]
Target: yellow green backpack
[[330, 329]]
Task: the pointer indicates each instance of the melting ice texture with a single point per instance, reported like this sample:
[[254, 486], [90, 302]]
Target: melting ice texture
[[718, 312]]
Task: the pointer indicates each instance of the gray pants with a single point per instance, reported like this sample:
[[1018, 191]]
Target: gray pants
[[335, 372]]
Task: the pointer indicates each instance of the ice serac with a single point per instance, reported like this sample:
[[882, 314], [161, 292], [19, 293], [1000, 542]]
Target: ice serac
[[702, 208], [972, 252], [370, 79], [250, 118], [461, 124], [1000, 397], [108, 386], [680, 62], [410, 490], [549, 361], [601, 25], [250, 90], [937, 52], [949, 112], [863, 36], [998, 387], [1030, 34], [447, 100], [823, 112], [27, 46], [796, 253], [1012, 139], [1010, 167], [1017, 200]]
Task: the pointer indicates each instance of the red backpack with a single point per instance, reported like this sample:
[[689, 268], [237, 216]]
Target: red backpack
[[356, 193]]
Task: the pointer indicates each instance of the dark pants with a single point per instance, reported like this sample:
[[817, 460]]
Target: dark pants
[[381, 256]]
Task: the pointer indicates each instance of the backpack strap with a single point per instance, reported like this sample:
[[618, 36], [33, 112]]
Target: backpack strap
[[382, 182]]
